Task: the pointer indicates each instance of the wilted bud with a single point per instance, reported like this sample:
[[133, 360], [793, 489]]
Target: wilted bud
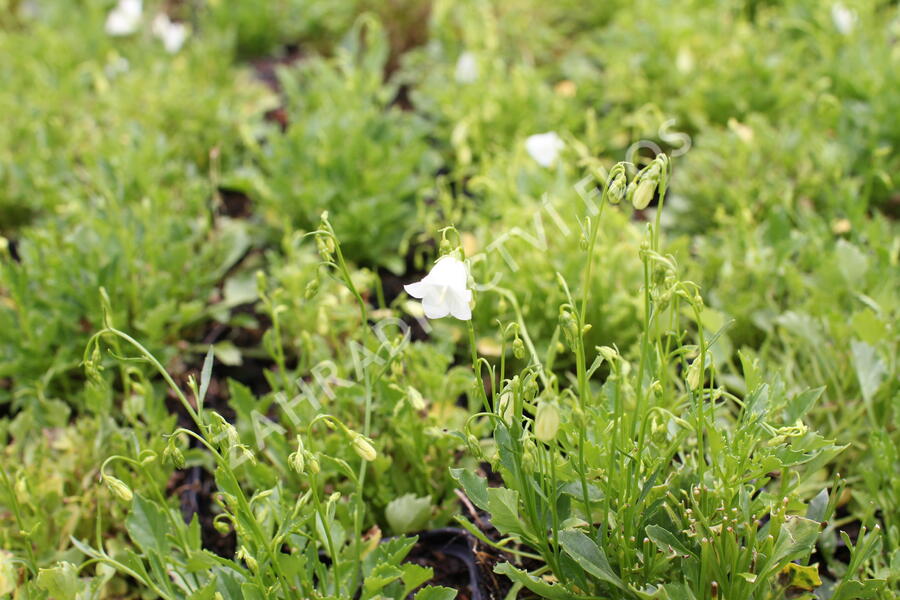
[[518, 347], [312, 288], [608, 354], [313, 461], [364, 448], [415, 398], [242, 554], [693, 374], [569, 326], [506, 407], [325, 246], [474, 445], [546, 422], [295, 459], [118, 487]]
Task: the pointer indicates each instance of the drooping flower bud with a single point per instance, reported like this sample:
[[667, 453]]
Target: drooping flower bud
[[118, 487], [643, 194], [546, 421], [364, 448], [693, 374], [312, 288], [615, 193], [518, 347]]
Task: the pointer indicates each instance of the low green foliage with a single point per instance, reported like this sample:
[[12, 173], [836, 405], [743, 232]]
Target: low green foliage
[[677, 224]]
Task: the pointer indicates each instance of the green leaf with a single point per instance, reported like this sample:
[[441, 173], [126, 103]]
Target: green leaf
[[870, 369], [589, 556], [206, 372], [61, 581], [474, 486], [535, 584], [413, 576], [817, 506], [666, 541], [851, 261], [503, 505], [380, 576], [796, 540], [408, 513], [435, 593], [146, 524]]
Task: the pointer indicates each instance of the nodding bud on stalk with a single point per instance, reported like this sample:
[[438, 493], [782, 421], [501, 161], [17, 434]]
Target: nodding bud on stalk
[[643, 187], [297, 461], [546, 422], [312, 288], [693, 374], [518, 347], [618, 184], [364, 448], [118, 487], [324, 241], [569, 326], [415, 399], [173, 454], [608, 354]]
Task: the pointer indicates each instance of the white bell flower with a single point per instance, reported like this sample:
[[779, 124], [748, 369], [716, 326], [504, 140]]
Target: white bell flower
[[172, 34], [125, 18], [444, 291], [544, 147], [466, 68], [843, 18]]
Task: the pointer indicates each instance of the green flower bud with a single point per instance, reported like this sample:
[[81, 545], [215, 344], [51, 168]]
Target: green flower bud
[[643, 194], [518, 347], [415, 398], [221, 524], [569, 326], [325, 246], [173, 454], [262, 285], [312, 288], [313, 461], [608, 354], [617, 190], [506, 407], [295, 460], [546, 422], [118, 487], [364, 448], [693, 374]]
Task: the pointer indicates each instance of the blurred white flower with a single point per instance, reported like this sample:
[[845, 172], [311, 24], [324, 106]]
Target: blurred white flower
[[172, 34], [125, 18], [544, 147], [843, 18], [466, 68], [444, 290]]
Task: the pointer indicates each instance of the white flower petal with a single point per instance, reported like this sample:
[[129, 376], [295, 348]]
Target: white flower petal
[[460, 308], [125, 18], [843, 18], [417, 289], [544, 148], [435, 307], [466, 68], [449, 271]]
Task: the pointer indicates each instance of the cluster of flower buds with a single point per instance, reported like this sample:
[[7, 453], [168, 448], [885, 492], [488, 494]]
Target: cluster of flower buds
[[643, 187]]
